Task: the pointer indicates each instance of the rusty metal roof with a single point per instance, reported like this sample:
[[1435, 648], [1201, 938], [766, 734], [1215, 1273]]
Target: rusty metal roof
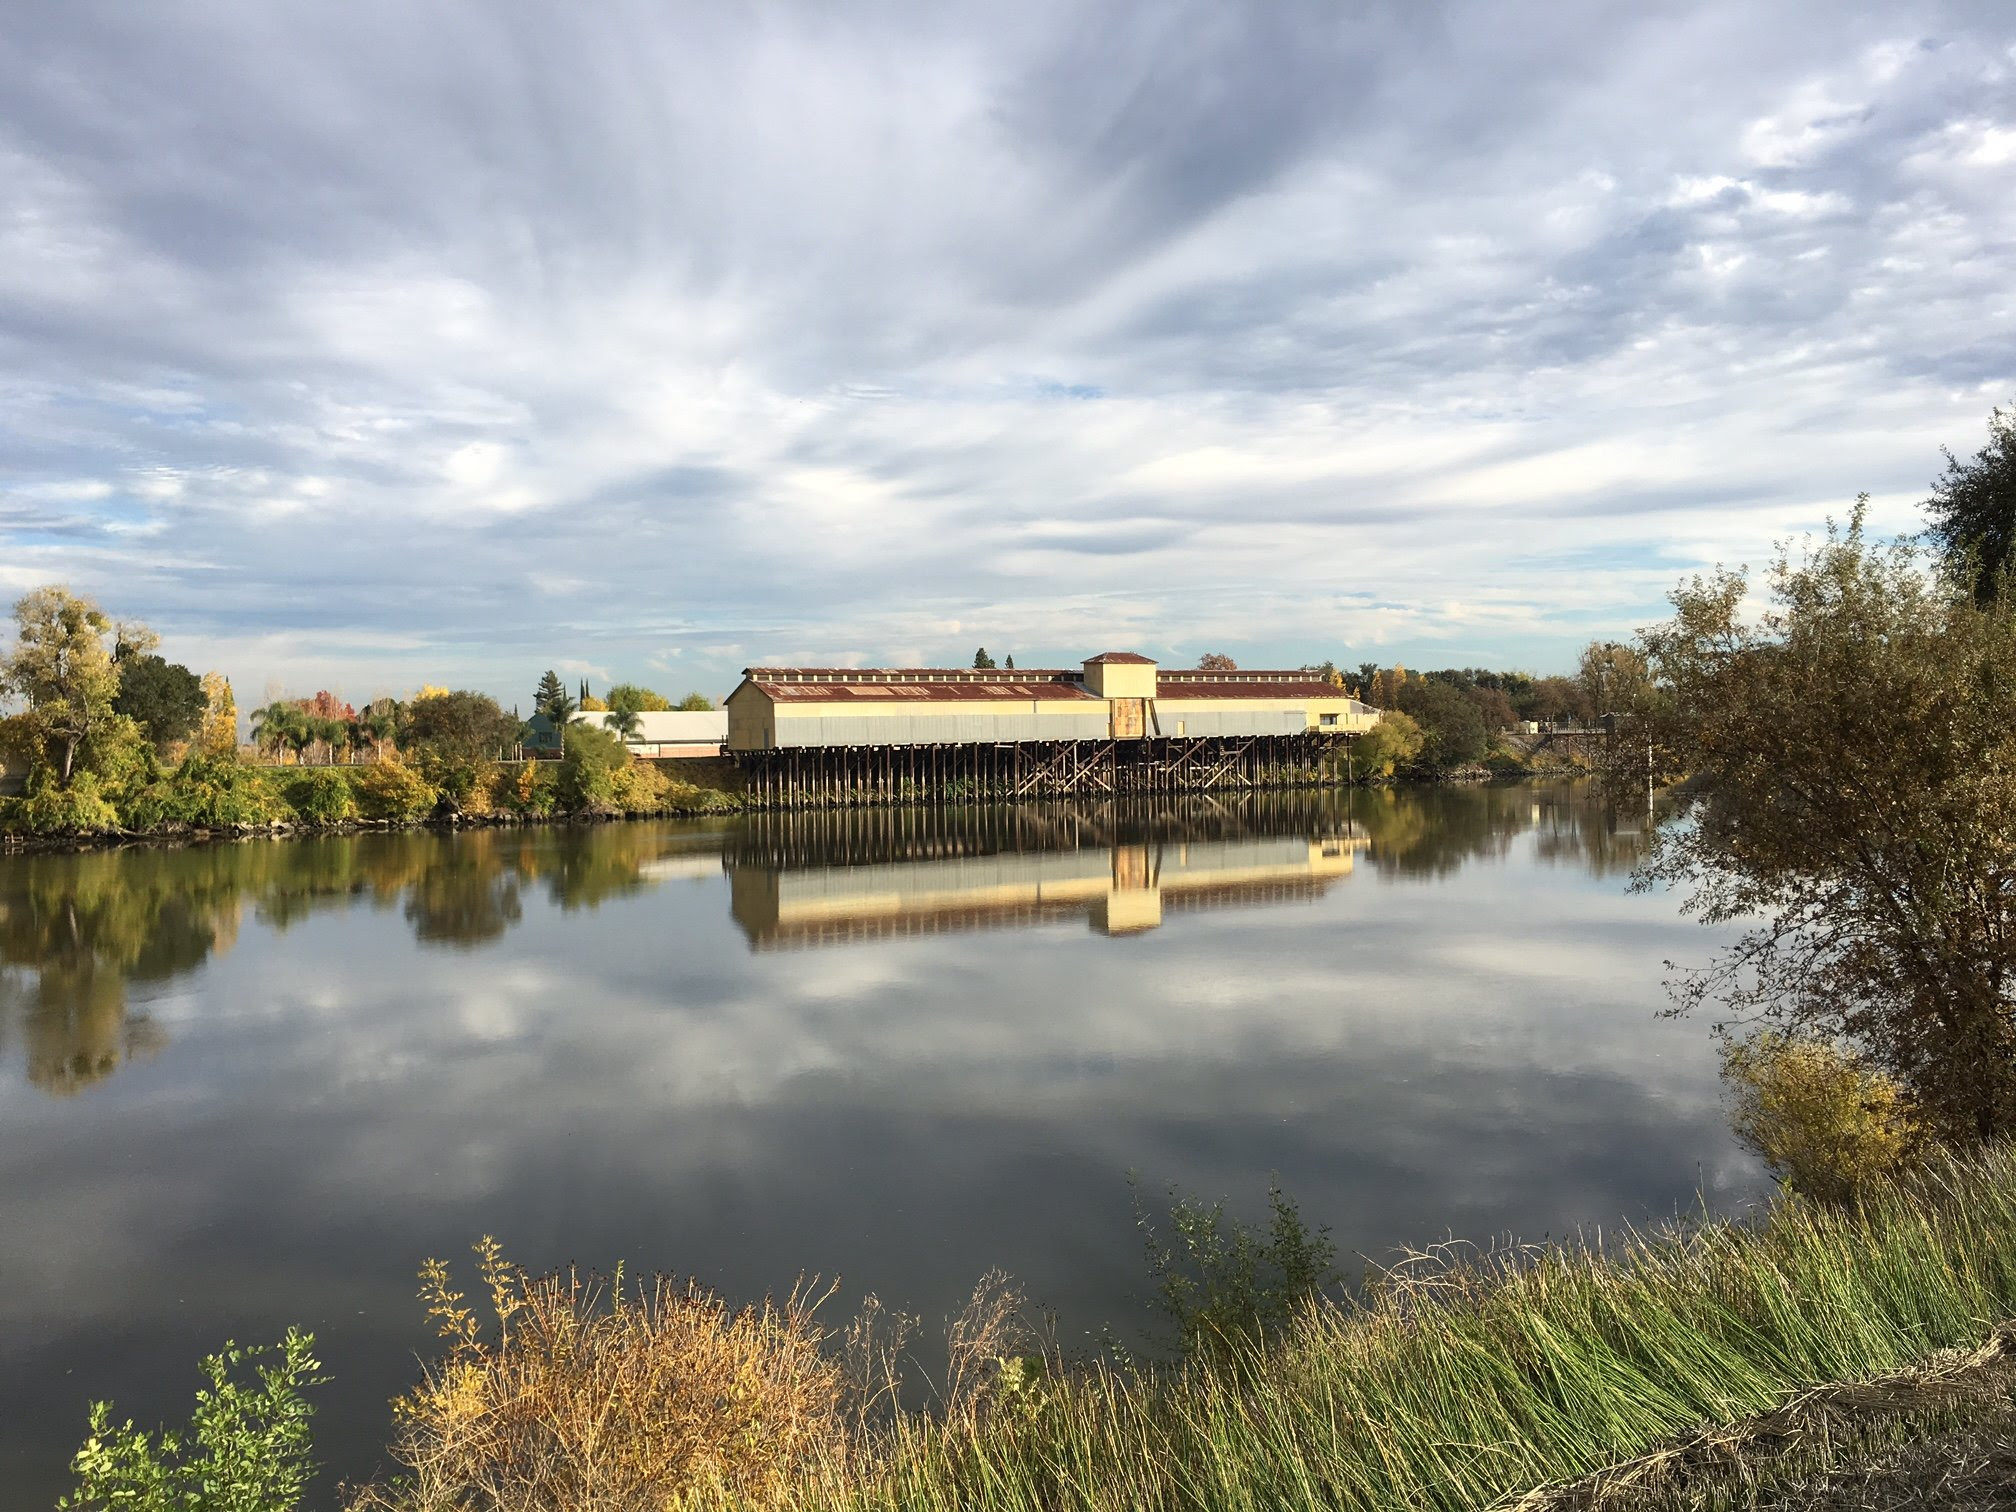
[[1121, 658], [907, 674], [1253, 685], [867, 690]]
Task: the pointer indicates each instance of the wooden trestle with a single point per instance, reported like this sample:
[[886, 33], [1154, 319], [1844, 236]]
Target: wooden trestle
[[858, 776]]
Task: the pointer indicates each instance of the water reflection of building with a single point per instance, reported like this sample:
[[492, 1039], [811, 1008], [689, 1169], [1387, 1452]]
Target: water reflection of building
[[807, 880]]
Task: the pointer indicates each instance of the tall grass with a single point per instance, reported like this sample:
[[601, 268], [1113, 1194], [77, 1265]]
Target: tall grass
[[1457, 1381], [1460, 1384]]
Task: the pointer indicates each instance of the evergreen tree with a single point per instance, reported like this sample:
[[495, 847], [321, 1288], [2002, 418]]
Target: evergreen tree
[[982, 661], [547, 693], [1008, 664]]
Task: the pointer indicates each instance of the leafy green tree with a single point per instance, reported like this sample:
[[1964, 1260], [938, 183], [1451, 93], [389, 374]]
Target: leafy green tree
[[1973, 511], [982, 662], [587, 770], [165, 699], [453, 735], [1852, 756], [247, 1448], [1391, 745], [1453, 732], [696, 703], [62, 670]]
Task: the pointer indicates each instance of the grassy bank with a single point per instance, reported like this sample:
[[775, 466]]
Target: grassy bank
[[1450, 1384]]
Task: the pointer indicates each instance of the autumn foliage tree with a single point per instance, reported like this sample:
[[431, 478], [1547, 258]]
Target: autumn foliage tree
[[1852, 752], [218, 735], [61, 669], [1216, 661]]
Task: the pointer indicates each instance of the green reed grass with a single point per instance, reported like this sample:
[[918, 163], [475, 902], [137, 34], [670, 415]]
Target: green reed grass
[[1459, 1384]]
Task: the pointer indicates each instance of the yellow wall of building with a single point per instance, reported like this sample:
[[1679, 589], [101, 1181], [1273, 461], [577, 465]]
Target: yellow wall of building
[[1120, 679]]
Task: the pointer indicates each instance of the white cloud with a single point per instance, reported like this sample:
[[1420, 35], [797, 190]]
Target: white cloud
[[847, 335]]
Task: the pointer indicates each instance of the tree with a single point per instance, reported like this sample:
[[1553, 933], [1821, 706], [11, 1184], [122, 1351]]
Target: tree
[[166, 700], [1008, 664], [1453, 733], [637, 700], [62, 670], [1613, 677], [1853, 761], [1394, 742], [696, 703], [1493, 705], [982, 661], [275, 727], [1973, 510], [628, 723], [219, 734], [1556, 699], [1216, 661], [378, 722], [550, 692], [590, 704], [460, 728]]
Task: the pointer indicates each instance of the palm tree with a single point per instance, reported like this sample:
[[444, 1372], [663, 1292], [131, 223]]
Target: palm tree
[[274, 726], [337, 734], [627, 724]]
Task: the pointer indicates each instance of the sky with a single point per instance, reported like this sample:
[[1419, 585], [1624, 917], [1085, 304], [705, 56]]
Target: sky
[[369, 344]]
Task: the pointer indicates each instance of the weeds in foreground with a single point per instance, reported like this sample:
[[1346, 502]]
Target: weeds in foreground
[[590, 1396], [246, 1450], [1455, 1381]]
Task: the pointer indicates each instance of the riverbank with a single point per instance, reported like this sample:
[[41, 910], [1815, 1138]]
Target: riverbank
[[1722, 1364]]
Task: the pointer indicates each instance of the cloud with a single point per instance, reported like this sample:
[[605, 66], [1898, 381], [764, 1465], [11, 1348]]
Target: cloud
[[519, 334]]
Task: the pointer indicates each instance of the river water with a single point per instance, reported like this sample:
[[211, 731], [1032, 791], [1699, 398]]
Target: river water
[[255, 1084]]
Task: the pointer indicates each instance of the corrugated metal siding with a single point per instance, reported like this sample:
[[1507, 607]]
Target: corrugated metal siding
[[1231, 721]]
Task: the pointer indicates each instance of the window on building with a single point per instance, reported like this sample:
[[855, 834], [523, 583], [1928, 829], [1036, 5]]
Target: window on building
[[1328, 721]]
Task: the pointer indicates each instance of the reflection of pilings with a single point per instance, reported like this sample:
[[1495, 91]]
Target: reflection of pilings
[[789, 840], [859, 776]]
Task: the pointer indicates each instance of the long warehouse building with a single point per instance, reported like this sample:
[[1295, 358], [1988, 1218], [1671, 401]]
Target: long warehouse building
[[1117, 696], [825, 735]]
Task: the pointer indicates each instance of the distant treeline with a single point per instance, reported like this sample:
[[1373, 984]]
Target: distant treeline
[[112, 738]]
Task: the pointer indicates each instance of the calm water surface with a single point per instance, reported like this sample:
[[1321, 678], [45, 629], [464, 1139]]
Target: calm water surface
[[243, 1086]]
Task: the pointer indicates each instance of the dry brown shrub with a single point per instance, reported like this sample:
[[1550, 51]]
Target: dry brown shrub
[[594, 1396]]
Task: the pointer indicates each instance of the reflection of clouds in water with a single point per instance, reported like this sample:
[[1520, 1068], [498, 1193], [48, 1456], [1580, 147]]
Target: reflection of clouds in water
[[628, 1080]]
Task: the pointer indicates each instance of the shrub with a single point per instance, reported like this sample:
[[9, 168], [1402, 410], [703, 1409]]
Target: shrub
[[80, 809], [639, 788], [1825, 1122], [392, 790], [1224, 1282], [211, 791], [246, 1450], [321, 795], [587, 780], [604, 1395], [1393, 742], [535, 794]]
